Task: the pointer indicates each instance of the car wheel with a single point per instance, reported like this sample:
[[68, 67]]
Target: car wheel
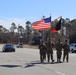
[[72, 51], [3, 51], [14, 51]]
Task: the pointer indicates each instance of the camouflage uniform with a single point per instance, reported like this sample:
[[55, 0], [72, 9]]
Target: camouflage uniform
[[49, 52], [66, 51], [59, 51], [42, 51]]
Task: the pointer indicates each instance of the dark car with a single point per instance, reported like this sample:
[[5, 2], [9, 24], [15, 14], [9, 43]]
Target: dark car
[[8, 48]]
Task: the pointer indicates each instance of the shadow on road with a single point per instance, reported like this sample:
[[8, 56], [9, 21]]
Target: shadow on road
[[34, 63], [10, 66], [28, 65]]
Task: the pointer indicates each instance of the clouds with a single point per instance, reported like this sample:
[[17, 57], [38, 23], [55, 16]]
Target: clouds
[[6, 22]]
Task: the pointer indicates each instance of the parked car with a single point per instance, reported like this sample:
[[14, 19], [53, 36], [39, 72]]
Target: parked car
[[8, 48], [73, 47], [19, 46]]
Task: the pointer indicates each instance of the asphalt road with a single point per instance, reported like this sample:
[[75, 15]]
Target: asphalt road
[[25, 61]]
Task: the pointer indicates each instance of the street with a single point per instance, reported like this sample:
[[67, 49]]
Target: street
[[25, 61]]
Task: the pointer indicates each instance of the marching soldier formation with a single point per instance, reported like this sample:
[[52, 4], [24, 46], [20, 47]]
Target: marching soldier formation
[[46, 50]]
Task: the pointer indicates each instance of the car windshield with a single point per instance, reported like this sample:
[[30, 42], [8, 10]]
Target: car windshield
[[9, 45], [71, 45]]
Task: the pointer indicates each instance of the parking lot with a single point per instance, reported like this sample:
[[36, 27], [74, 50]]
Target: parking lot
[[25, 61]]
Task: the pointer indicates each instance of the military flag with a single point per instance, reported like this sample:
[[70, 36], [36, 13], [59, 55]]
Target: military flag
[[57, 27]]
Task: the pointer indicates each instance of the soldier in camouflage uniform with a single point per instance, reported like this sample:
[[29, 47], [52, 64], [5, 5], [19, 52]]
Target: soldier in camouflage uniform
[[42, 48], [66, 51], [59, 51], [49, 51]]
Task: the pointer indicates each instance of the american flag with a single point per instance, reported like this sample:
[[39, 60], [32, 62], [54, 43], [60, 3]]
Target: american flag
[[42, 24]]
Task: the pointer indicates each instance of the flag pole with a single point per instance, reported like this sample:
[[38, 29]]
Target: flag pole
[[50, 33], [43, 36]]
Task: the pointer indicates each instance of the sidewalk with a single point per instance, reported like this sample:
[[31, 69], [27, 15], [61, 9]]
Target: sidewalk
[[31, 46]]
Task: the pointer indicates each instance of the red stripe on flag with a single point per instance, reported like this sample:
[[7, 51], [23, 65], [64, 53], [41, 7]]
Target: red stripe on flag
[[37, 22], [41, 25]]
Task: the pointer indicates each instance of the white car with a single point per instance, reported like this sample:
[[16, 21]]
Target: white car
[[73, 47], [19, 46]]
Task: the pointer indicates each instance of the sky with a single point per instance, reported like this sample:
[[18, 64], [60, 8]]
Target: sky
[[20, 11]]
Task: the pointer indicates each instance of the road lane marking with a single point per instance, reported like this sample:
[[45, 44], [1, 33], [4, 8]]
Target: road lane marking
[[59, 73]]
